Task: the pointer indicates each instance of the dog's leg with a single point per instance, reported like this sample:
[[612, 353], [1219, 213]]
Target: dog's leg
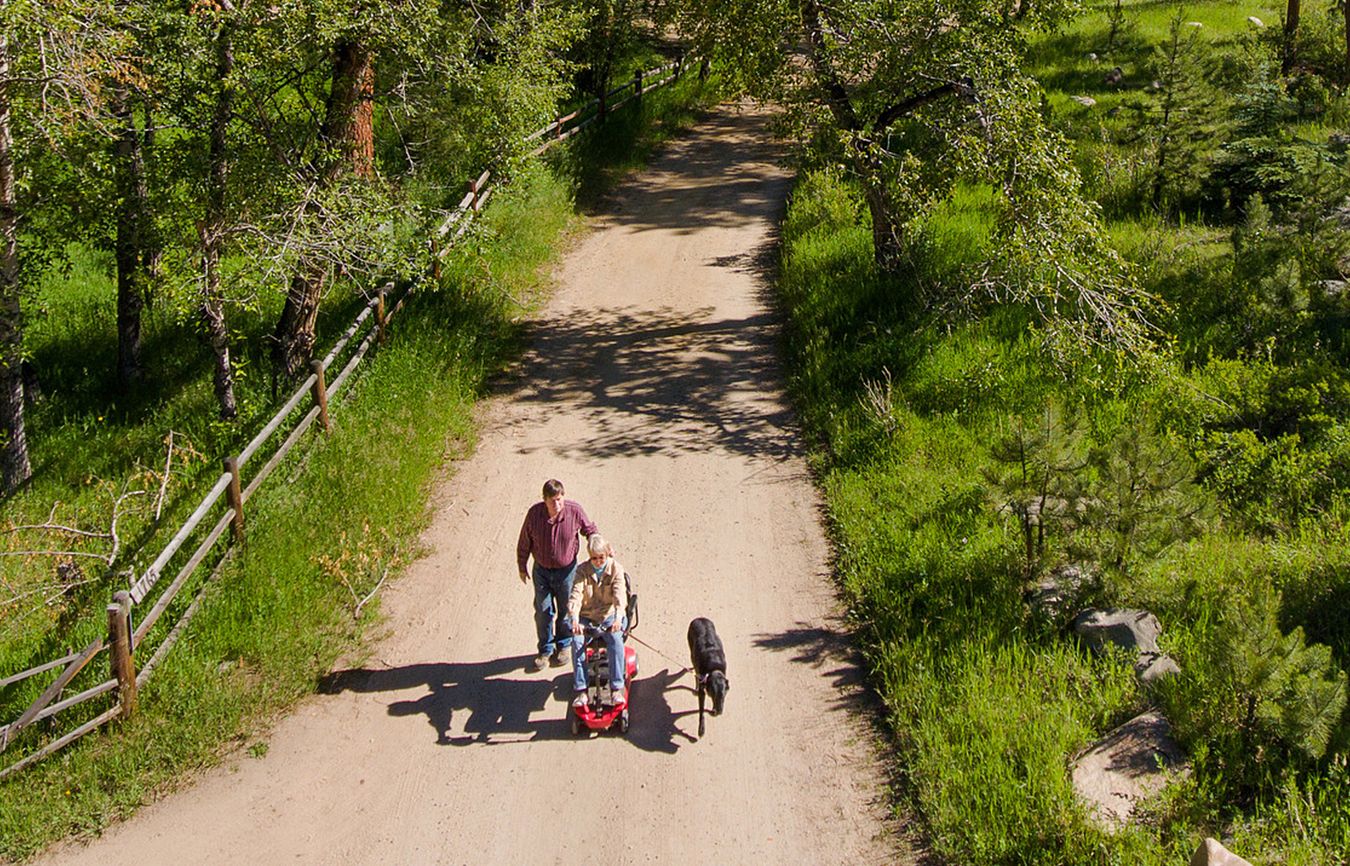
[[700, 708]]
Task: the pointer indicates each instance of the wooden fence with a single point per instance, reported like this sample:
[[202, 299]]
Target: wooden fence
[[124, 636]]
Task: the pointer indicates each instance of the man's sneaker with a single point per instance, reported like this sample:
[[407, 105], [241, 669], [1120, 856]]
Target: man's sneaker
[[616, 696], [561, 658], [580, 700], [540, 662]]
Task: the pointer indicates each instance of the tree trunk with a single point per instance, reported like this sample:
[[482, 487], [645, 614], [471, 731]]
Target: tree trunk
[[348, 126], [1290, 35], [887, 234], [1345, 12], [348, 137], [295, 329], [211, 310], [132, 211], [1164, 143], [152, 244], [14, 466]]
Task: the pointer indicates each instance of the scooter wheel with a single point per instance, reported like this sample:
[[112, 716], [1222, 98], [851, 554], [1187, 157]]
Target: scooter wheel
[[576, 725], [623, 723]]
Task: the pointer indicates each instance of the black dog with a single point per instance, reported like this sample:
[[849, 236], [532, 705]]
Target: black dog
[[710, 666]]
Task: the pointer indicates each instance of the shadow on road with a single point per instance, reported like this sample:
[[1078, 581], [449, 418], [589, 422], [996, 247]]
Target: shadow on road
[[496, 703], [691, 187], [660, 382], [501, 709], [654, 727], [832, 653]]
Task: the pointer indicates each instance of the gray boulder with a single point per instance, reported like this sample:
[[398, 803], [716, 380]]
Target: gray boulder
[[1151, 667], [1085, 101], [1211, 853], [1136, 630], [1059, 591]]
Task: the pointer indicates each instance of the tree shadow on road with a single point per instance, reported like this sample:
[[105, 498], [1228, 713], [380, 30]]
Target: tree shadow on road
[[660, 382], [693, 185], [831, 649]]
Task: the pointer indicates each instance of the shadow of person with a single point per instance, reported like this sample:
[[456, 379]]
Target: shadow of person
[[493, 706], [654, 727]]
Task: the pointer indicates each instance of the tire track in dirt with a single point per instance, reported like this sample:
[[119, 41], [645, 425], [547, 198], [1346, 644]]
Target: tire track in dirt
[[653, 390]]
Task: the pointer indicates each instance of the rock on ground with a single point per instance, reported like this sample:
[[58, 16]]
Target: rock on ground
[[1128, 765], [1211, 853]]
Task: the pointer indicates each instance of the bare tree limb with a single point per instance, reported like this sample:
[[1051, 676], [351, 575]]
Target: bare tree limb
[[356, 614], [52, 526]]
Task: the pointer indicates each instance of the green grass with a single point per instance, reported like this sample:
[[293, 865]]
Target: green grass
[[354, 507], [987, 703]]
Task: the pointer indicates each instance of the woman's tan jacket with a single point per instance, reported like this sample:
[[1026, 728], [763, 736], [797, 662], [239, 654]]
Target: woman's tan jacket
[[597, 597]]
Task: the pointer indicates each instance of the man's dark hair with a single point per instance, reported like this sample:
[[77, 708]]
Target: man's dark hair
[[552, 488]]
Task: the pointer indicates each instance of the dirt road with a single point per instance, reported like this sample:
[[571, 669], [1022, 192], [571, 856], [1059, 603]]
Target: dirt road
[[655, 395]]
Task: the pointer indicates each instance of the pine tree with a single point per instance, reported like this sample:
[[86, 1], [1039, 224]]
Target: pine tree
[[1285, 698], [1036, 476], [1179, 117]]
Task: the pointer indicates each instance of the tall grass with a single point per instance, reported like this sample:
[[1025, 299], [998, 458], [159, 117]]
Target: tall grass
[[989, 703]]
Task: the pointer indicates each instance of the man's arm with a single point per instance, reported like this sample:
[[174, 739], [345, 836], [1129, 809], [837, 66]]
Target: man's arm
[[588, 528], [523, 548]]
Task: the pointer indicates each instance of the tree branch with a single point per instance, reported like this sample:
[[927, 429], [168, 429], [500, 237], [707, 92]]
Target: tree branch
[[836, 95], [963, 87]]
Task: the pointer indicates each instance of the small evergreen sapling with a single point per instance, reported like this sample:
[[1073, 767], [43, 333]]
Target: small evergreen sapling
[[1035, 477]]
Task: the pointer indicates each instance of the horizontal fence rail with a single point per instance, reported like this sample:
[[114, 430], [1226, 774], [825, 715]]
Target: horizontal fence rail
[[124, 636]]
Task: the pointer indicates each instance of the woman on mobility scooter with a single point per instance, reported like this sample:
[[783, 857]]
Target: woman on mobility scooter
[[597, 611]]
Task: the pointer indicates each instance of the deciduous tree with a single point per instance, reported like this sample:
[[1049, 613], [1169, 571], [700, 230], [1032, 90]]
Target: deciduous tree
[[56, 57]]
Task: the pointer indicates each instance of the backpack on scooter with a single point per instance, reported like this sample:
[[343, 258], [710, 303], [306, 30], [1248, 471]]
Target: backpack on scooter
[[632, 610]]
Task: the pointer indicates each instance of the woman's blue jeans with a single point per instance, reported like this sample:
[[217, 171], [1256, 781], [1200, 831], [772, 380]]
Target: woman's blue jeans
[[613, 645]]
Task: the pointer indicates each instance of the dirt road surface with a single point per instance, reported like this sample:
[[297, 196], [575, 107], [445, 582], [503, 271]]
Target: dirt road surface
[[653, 391]]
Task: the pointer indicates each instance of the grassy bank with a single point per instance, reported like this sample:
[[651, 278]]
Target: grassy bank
[[989, 702], [352, 508], [1207, 480]]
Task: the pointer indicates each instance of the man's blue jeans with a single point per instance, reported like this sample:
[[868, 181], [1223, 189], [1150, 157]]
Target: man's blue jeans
[[613, 645], [552, 586]]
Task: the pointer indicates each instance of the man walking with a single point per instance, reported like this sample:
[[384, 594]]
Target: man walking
[[549, 534]]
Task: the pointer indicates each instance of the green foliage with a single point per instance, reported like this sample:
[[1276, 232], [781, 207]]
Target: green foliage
[[1177, 113], [1143, 497], [917, 108], [1253, 698], [1038, 476], [915, 442]]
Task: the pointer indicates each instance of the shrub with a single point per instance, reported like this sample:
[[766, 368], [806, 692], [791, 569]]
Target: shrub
[[1255, 700]]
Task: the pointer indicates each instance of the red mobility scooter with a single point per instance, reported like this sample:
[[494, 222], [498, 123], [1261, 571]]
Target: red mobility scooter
[[604, 708]]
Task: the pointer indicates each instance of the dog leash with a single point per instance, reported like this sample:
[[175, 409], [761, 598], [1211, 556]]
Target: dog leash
[[683, 667]]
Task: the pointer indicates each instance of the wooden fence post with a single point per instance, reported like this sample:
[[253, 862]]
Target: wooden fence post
[[637, 84], [557, 133], [320, 391], [235, 497], [119, 640], [379, 315], [436, 260], [603, 108]]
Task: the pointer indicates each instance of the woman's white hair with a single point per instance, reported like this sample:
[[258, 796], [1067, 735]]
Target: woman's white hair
[[597, 544]]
